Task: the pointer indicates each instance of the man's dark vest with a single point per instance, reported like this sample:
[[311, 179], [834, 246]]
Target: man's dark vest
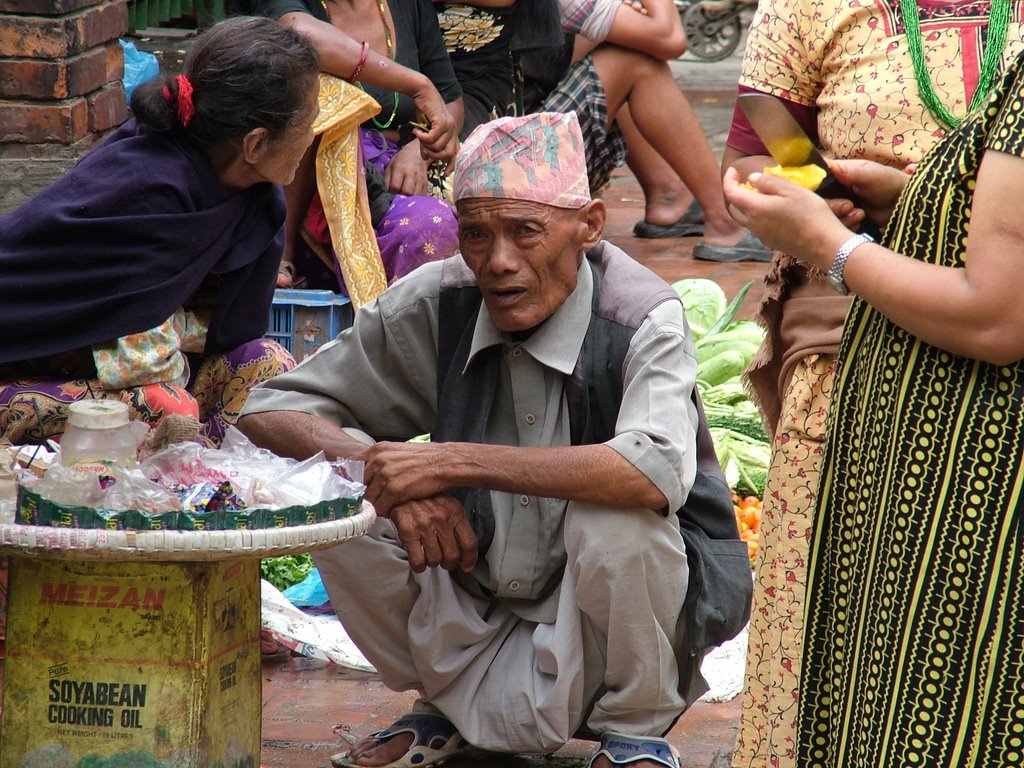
[[720, 589]]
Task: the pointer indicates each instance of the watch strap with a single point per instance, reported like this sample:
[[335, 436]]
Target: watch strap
[[836, 272]]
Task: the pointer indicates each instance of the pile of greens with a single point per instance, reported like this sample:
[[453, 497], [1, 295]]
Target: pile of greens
[[725, 347], [286, 570]]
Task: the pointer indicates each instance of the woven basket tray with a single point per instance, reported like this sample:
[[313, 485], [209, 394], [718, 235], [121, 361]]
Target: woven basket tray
[[153, 546]]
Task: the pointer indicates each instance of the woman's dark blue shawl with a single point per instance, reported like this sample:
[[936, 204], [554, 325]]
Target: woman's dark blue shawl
[[123, 240]]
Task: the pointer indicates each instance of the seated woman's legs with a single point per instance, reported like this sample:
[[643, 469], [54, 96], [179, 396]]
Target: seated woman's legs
[[416, 229], [666, 198], [410, 229], [298, 196], [664, 118], [221, 383]]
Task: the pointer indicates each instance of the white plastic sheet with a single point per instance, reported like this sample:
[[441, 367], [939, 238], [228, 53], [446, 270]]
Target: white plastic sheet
[[316, 637]]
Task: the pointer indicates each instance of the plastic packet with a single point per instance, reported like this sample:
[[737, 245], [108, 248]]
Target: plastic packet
[[309, 482], [350, 469], [131, 489], [139, 67], [249, 471], [8, 511], [63, 485], [260, 478], [122, 488]]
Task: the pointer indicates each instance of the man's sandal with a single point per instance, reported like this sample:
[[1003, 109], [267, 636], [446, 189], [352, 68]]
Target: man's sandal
[[622, 749], [434, 741]]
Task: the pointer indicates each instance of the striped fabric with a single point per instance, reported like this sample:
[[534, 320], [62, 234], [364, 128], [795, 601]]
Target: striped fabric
[[591, 18], [915, 616], [581, 91]]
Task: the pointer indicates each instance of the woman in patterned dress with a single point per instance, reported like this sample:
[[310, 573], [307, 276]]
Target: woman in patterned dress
[[846, 71], [146, 273], [915, 606], [394, 51]]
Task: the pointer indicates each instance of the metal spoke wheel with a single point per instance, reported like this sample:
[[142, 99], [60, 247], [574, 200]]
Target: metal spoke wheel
[[712, 34]]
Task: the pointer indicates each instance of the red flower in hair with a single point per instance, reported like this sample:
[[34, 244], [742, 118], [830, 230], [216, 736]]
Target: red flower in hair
[[186, 108]]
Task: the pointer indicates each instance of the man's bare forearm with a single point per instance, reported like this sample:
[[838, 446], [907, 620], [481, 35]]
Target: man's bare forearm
[[400, 472], [300, 435], [590, 473]]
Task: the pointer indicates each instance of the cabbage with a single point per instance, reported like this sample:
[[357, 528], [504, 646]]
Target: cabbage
[[744, 460], [704, 301]]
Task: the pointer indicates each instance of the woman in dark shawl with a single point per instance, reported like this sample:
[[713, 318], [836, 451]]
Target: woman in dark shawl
[[146, 274]]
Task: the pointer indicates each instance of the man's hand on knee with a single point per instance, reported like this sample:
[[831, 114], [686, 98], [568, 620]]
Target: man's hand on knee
[[435, 532]]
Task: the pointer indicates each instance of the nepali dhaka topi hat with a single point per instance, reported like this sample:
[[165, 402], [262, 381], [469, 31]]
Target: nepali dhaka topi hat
[[538, 157]]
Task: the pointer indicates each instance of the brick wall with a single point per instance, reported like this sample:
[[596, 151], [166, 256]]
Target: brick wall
[[60, 87]]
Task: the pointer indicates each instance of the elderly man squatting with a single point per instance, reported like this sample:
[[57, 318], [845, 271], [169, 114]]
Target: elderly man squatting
[[526, 575]]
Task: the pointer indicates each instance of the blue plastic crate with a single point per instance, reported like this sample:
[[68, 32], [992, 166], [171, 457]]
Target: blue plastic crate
[[302, 321]]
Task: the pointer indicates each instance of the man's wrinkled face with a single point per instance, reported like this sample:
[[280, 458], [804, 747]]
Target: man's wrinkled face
[[525, 255]]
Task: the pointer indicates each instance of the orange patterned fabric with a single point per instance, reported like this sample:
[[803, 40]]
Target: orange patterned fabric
[[768, 722], [850, 60]]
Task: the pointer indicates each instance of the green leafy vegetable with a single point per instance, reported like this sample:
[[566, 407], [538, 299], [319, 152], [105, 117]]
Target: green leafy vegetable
[[286, 570], [744, 460], [729, 313], [704, 302], [744, 335]]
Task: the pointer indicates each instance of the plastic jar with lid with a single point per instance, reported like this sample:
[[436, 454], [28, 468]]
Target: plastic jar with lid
[[98, 435]]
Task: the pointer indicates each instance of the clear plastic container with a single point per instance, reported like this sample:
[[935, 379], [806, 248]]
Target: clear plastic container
[[98, 436]]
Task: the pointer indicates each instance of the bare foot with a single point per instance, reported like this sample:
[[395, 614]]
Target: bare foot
[[665, 207], [268, 644], [370, 751], [722, 231], [286, 275]]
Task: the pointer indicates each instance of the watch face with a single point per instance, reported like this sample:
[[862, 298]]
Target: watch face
[[837, 283]]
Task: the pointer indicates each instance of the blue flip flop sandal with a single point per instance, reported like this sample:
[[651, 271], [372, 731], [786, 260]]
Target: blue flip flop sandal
[[434, 742], [622, 749]]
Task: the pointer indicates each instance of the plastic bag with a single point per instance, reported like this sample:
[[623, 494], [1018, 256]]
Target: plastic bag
[[308, 593], [260, 478], [139, 67], [123, 488], [316, 637]]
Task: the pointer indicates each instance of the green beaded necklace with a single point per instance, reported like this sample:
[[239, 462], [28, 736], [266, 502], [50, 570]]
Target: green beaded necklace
[[391, 55], [998, 21]]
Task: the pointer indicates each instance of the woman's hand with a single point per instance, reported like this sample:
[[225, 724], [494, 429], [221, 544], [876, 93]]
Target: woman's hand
[[406, 174], [878, 186], [441, 140], [786, 217]]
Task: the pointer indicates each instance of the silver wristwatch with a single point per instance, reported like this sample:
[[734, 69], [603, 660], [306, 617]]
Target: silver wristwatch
[[834, 276]]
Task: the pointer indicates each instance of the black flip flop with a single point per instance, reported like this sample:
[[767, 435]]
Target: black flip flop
[[690, 224], [748, 248]]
